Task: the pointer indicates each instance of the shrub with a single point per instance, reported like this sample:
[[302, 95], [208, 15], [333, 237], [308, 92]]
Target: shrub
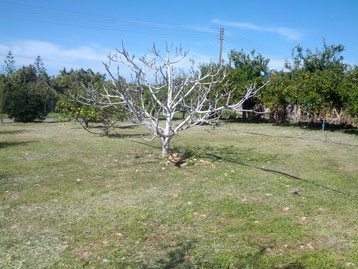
[[27, 96]]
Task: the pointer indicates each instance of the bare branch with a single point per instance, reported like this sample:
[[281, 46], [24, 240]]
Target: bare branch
[[202, 96]]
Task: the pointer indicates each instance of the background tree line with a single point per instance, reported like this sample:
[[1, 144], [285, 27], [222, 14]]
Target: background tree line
[[314, 82]]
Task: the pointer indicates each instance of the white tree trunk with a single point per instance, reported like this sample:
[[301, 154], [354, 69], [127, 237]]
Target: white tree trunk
[[165, 146]]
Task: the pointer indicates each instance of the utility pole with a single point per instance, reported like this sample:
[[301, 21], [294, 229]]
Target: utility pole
[[221, 44]]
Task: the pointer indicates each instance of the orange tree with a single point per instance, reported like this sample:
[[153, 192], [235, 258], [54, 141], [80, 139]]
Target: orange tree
[[70, 86], [349, 92], [318, 91], [75, 110], [279, 92], [314, 78]]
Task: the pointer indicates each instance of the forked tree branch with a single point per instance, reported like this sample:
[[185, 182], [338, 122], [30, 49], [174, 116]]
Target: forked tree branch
[[154, 103]]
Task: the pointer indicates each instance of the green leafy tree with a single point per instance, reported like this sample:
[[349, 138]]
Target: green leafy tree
[[40, 68], [316, 78], [8, 69], [2, 97], [70, 86], [278, 93], [247, 69], [27, 95], [218, 88], [9, 61], [45, 79], [349, 92]]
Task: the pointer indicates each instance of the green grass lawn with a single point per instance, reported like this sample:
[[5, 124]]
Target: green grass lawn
[[52, 115], [49, 115], [70, 199]]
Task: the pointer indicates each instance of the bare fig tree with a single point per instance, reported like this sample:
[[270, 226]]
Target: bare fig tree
[[159, 91]]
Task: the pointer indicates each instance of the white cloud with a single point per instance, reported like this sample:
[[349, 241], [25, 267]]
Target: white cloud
[[285, 32], [56, 57]]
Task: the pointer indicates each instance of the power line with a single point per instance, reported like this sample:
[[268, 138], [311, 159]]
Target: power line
[[96, 21], [77, 19], [209, 45], [250, 46], [237, 36], [119, 29], [242, 41]]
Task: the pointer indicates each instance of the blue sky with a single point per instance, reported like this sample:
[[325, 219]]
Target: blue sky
[[75, 34]]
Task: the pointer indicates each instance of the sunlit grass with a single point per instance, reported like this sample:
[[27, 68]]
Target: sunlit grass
[[70, 199]]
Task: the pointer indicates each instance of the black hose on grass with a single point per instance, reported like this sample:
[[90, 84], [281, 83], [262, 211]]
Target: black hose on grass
[[271, 171], [284, 174], [293, 137]]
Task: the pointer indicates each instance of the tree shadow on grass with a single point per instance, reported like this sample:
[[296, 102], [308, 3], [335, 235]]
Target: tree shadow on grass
[[10, 132], [13, 144], [120, 127], [305, 138], [147, 144], [240, 120], [294, 265], [177, 257], [126, 135], [254, 260], [316, 126], [349, 129]]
